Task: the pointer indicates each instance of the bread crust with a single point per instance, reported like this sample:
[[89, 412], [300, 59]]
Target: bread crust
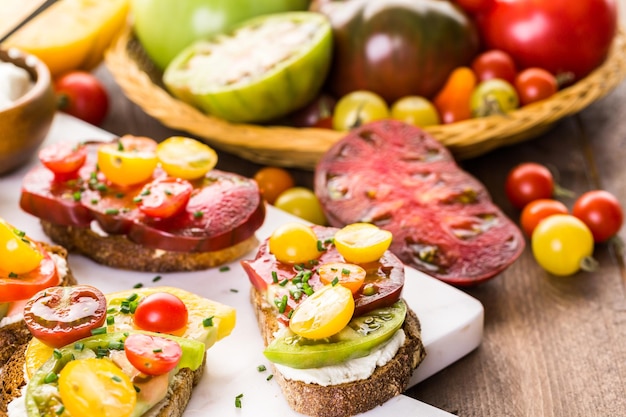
[[350, 398], [117, 251]]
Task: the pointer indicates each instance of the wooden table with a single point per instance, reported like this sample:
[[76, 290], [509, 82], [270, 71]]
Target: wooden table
[[552, 346]]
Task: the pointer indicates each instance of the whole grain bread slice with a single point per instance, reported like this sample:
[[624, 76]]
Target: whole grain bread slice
[[117, 251], [351, 398]]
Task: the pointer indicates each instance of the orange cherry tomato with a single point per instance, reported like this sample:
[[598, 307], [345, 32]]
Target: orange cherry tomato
[[537, 210], [453, 100], [272, 181], [350, 276]]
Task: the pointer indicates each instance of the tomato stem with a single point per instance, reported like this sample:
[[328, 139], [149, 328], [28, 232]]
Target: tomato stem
[[589, 264]]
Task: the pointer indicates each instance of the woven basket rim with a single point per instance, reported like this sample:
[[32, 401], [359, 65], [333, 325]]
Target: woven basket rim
[[294, 147]]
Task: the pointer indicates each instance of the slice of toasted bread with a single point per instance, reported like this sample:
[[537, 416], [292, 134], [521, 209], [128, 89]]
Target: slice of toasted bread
[[117, 251], [15, 334], [350, 398]]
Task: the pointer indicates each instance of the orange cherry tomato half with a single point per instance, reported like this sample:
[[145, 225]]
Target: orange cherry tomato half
[[63, 157], [152, 355], [164, 197], [161, 312], [350, 276], [58, 316], [537, 210]]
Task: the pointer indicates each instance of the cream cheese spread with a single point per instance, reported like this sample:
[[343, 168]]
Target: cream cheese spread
[[14, 83]]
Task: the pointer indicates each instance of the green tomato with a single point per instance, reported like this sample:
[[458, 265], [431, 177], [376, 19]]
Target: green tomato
[[415, 110], [562, 244], [357, 108], [303, 203], [493, 96], [165, 27], [262, 69]]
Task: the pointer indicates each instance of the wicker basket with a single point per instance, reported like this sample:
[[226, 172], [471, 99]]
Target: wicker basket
[[302, 147]]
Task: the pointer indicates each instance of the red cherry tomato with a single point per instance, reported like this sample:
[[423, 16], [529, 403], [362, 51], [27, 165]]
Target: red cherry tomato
[[61, 315], [161, 312], [537, 210], [534, 84], [601, 211], [82, 95], [527, 182], [494, 64], [164, 197], [152, 355], [272, 181], [63, 157]]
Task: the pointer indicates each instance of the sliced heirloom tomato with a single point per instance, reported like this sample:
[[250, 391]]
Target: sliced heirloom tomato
[[401, 179], [382, 285], [58, 316]]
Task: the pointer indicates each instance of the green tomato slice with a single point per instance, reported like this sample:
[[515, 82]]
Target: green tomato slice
[[261, 70]]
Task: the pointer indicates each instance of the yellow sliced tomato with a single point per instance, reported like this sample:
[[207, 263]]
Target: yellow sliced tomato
[[324, 313], [131, 160], [185, 158], [362, 242], [294, 243], [71, 34], [17, 254], [351, 276], [97, 388]]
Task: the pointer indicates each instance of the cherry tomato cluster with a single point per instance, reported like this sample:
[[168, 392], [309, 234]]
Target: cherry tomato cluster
[[562, 240], [279, 189]]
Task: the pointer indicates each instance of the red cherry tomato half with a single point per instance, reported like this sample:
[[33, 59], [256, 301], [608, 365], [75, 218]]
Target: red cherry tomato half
[[63, 157], [534, 84], [164, 197], [494, 63], [537, 210], [527, 182], [601, 211], [82, 95], [61, 315], [152, 355], [161, 312]]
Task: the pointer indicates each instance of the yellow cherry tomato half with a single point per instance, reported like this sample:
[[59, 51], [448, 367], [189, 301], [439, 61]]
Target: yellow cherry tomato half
[[324, 313], [97, 388], [350, 276], [186, 158], [131, 160], [19, 255], [362, 242], [562, 244], [294, 243]]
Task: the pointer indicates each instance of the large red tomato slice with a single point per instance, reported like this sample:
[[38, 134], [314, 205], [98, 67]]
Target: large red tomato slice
[[401, 179]]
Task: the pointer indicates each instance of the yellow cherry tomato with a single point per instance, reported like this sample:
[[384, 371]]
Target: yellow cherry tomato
[[129, 161], [350, 276], [96, 388], [294, 243], [362, 242], [18, 254], [186, 158], [324, 313], [415, 110], [561, 244], [301, 202]]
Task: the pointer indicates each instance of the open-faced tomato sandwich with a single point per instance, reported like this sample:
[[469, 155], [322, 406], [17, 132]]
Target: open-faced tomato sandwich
[[135, 204], [26, 267], [340, 338], [131, 353]]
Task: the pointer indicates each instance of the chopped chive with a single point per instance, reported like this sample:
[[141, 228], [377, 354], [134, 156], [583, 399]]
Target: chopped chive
[[274, 277], [79, 346], [238, 400], [12, 275], [224, 268], [110, 320], [111, 211], [77, 196], [198, 214], [57, 354], [157, 350], [138, 285], [132, 297], [345, 271], [116, 378], [208, 322], [60, 410], [137, 389], [270, 376], [335, 281], [261, 368], [281, 304], [116, 345], [99, 330], [320, 246], [234, 290], [50, 377], [283, 282], [157, 278]]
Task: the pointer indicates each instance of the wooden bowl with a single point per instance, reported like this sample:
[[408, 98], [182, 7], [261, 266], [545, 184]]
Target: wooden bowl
[[25, 124]]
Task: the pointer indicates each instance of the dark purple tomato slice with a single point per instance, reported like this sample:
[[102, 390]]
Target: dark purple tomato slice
[[382, 287], [400, 178]]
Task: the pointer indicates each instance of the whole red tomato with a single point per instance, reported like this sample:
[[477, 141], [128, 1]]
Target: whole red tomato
[[601, 211], [82, 95], [561, 36]]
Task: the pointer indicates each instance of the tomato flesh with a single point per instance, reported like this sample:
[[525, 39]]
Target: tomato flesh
[[152, 355], [163, 198], [61, 315]]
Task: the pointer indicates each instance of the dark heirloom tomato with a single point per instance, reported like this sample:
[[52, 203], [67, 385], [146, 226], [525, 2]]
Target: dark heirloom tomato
[[561, 36], [385, 277], [397, 48], [61, 315], [401, 179]]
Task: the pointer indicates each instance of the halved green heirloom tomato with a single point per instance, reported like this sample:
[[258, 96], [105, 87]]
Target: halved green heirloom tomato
[[128, 161], [262, 69], [164, 197], [58, 316], [185, 158]]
